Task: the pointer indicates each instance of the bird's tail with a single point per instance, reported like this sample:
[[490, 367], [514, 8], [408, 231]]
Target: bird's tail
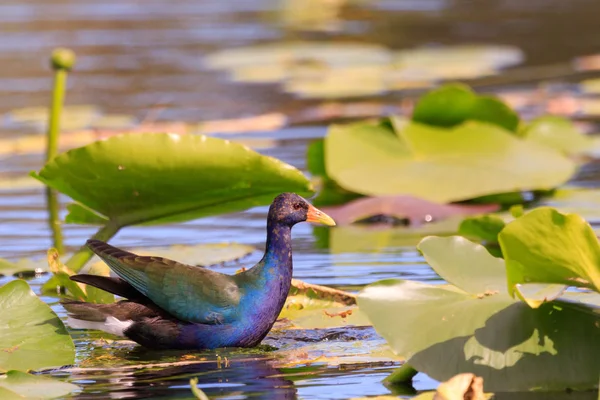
[[82, 315]]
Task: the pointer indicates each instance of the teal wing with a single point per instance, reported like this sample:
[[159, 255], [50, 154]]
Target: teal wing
[[190, 293]]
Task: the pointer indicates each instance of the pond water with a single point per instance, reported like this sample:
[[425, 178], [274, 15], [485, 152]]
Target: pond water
[[135, 56]]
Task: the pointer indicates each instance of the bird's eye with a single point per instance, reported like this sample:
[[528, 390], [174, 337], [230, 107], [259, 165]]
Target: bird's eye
[[297, 206]]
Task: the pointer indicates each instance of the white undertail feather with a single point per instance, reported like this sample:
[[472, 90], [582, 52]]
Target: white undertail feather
[[110, 325]]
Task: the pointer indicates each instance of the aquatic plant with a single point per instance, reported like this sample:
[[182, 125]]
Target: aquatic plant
[[508, 320], [457, 146]]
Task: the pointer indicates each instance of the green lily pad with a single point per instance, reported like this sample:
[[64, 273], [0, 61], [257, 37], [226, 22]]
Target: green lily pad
[[582, 201], [464, 264], [159, 178], [21, 385], [315, 158], [546, 246], [31, 335], [443, 331], [437, 164], [558, 133], [23, 267], [6, 394], [453, 104], [482, 227]]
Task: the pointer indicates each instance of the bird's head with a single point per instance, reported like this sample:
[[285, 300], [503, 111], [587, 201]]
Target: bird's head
[[289, 209]]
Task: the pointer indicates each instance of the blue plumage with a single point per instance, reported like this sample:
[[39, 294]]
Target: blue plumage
[[173, 305]]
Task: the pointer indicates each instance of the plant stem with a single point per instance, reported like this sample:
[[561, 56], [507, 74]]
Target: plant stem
[[84, 254], [402, 375], [53, 219], [62, 60], [58, 97]]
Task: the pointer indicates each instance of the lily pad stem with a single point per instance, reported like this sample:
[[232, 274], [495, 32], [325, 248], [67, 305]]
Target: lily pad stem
[[84, 254], [62, 61], [403, 374]]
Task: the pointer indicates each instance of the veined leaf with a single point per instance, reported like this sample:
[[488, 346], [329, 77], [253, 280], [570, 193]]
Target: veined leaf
[[157, 178]]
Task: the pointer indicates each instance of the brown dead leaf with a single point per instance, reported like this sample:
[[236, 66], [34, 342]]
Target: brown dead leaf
[[461, 387], [342, 314]]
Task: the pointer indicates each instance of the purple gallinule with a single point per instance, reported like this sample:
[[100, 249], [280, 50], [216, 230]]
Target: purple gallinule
[[170, 305]]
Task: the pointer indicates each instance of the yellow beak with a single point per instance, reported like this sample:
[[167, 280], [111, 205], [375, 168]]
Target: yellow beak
[[317, 216]]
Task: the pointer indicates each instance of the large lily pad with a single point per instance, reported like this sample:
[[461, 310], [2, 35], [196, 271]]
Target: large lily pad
[[21, 385], [143, 178], [546, 246], [444, 330], [31, 335], [441, 165], [511, 345]]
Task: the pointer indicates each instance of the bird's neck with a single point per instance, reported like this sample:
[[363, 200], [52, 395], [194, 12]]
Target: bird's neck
[[273, 274], [278, 252]]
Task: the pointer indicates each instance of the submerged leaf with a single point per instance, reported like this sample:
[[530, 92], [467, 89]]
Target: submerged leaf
[[31, 335], [168, 178], [34, 386], [546, 246], [440, 165]]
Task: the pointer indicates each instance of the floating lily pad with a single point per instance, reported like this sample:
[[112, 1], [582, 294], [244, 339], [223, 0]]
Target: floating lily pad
[[481, 328], [167, 178], [339, 70], [455, 62], [512, 346], [546, 246], [558, 133], [31, 335], [22, 267], [21, 385], [440, 165], [451, 105], [464, 264]]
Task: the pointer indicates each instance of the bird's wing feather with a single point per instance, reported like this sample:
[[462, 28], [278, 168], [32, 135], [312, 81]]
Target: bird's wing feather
[[190, 293]]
